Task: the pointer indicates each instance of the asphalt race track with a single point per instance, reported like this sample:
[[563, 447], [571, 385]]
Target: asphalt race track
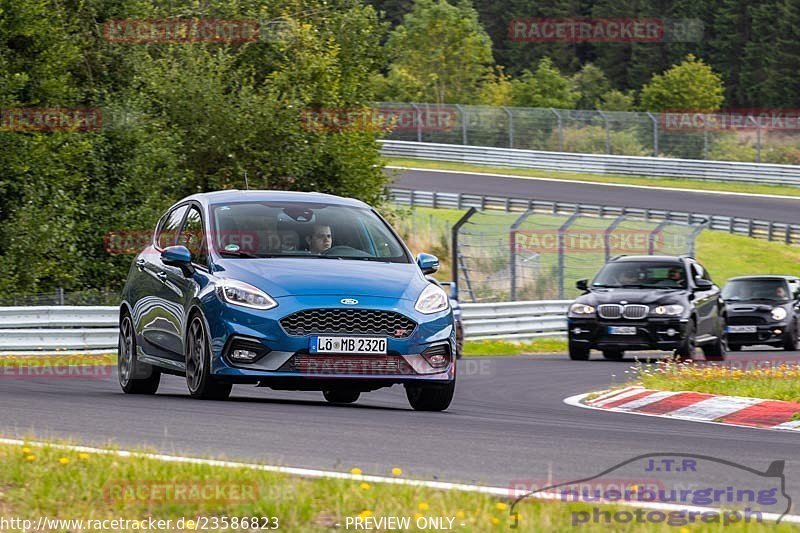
[[507, 423], [761, 208]]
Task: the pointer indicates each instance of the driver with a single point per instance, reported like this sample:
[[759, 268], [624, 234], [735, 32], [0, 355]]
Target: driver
[[675, 274], [320, 239], [780, 292]]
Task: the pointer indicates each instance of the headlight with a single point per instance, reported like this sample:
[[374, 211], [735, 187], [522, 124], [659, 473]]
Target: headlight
[[581, 309], [778, 313], [668, 310], [241, 293], [432, 300]]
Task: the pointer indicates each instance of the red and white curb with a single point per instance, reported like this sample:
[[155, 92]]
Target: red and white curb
[[695, 406]]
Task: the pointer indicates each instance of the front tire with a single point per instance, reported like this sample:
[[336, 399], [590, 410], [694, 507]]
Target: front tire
[[687, 348], [341, 396], [578, 353], [430, 397], [790, 341], [199, 380], [134, 376], [716, 351]]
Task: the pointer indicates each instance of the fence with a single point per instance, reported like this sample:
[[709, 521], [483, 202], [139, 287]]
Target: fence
[[49, 329], [769, 136], [597, 164], [761, 229]]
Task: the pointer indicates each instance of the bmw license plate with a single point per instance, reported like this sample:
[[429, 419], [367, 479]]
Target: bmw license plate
[[351, 345], [622, 330], [742, 329]]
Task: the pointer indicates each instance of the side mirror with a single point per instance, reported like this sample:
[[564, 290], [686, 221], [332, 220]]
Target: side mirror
[[703, 284], [428, 263], [178, 256], [582, 284]]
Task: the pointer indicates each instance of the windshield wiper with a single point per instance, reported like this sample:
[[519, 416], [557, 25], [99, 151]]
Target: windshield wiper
[[239, 253]]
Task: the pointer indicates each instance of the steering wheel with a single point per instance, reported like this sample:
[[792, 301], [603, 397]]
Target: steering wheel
[[347, 251]]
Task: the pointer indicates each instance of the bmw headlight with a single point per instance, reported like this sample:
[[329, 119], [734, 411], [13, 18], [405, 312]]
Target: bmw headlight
[[778, 313], [668, 310], [240, 293], [432, 300], [581, 309]]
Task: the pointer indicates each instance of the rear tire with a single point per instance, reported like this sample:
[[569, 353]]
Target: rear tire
[[577, 353], [199, 380], [134, 376], [613, 355], [430, 397], [341, 396], [716, 351]]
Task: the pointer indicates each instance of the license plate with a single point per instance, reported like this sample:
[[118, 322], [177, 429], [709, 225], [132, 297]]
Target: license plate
[[742, 329], [622, 330], [358, 345]]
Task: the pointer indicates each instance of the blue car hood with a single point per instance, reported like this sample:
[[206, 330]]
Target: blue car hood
[[305, 277]]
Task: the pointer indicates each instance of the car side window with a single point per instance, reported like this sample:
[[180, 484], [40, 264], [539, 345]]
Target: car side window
[[168, 229], [193, 237]]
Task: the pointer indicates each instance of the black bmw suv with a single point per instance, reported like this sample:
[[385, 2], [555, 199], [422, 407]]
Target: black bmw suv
[[648, 302]]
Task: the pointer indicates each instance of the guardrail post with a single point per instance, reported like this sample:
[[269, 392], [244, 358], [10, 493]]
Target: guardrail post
[[788, 239], [454, 241], [560, 130], [608, 133], [750, 227], [510, 127], [458, 197], [769, 231], [561, 232], [419, 121], [512, 242], [463, 123], [655, 133]]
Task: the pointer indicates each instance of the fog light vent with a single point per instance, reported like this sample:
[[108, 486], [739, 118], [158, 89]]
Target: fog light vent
[[437, 356], [246, 351]]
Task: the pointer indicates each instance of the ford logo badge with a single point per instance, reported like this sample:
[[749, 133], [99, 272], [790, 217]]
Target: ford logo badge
[[349, 301]]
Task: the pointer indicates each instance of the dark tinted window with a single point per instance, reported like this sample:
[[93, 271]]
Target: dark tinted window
[[756, 289], [193, 237], [641, 274], [168, 230]]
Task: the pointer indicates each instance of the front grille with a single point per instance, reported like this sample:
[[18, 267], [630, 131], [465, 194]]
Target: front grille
[[611, 311], [347, 364], [348, 322], [745, 320], [635, 312]]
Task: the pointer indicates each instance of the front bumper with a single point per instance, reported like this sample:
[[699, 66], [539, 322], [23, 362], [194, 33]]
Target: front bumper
[[767, 331], [288, 363], [651, 334]]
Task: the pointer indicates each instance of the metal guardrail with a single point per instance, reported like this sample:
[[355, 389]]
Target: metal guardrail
[[40, 329], [728, 171], [762, 229], [68, 327], [515, 320]]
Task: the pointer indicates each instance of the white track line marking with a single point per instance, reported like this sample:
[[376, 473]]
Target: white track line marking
[[714, 407], [624, 185], [441, 485], [647, 400], [608, 394], [794, 424]]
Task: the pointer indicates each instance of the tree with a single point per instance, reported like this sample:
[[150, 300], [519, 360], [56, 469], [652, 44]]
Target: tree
[[616, 100], [440, 53], [692, 85], [590, 83], [545, 87]]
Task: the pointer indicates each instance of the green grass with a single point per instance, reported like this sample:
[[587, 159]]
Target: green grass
[[60, 484], [489, 347], [672, 183], [772, 383]]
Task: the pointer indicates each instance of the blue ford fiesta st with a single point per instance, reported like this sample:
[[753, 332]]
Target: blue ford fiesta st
[[287, 290]]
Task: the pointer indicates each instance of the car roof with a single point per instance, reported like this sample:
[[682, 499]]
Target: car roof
[[649, 258], [235, 195], [762, 277]]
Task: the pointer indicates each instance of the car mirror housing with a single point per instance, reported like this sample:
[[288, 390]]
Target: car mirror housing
[[703, 284], [582, 284], [178, 256], [428, 263]]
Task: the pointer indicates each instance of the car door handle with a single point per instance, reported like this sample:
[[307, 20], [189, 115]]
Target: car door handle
[[162, 276], [140, 264]]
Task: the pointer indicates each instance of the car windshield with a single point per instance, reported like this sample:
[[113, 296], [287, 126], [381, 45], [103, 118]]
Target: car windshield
[[303, 230], [641, 275], [756, 289]]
